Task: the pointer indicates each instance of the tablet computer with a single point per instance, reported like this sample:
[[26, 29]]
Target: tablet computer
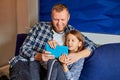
[[58, 51]]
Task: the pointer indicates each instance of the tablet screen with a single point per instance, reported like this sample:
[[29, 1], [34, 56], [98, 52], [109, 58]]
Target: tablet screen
[[58, 51]]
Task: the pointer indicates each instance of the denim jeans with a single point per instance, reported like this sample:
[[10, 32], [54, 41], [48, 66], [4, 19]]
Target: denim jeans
[[20, 71], [27, 71], [39, 73], [55, 71], [34, 70]]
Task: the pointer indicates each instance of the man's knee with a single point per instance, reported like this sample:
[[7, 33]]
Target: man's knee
[[20, 71]]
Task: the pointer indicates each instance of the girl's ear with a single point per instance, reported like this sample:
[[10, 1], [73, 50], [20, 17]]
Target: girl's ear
[[80, 44]]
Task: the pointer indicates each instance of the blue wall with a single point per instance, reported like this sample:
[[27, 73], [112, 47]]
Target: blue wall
[[98, 16]]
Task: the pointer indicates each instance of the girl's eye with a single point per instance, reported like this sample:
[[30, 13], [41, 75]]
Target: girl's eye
[[72, 40], [68, 41]]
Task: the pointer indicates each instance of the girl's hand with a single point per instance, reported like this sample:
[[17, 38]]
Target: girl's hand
[[52, 43], [72, 57], [63, 59]]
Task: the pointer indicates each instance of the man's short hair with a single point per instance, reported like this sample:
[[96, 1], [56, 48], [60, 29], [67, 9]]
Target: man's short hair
[[60, 7]]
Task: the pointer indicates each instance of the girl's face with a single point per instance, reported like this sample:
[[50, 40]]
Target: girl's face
[[73, 43]]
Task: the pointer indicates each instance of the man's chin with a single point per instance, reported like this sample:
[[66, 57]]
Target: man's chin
[[59, 31]]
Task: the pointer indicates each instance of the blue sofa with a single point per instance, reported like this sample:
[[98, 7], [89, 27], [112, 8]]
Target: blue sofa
[[103, 64]]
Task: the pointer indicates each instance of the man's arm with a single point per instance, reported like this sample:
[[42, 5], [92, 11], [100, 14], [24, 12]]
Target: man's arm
[[26, 49], [76, 56]]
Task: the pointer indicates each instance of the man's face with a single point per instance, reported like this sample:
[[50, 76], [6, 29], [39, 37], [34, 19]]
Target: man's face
[[60, 20]]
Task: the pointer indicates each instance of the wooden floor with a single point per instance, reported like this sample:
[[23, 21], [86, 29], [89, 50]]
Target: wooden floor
[[4, 70]]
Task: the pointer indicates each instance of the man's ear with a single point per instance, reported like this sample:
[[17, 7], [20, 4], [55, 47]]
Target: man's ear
[[68, 17]]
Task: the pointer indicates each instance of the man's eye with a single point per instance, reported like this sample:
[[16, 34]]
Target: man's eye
[[55, 19], [62, 19]]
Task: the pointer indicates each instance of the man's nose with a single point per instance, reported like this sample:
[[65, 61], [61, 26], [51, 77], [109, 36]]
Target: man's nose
[[59, 22]]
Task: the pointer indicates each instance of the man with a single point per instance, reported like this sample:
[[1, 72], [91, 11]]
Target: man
[[33, 48]]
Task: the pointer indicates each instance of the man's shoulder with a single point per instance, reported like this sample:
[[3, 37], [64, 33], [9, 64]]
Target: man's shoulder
[[69, 27], [42, 25], [45, 23]]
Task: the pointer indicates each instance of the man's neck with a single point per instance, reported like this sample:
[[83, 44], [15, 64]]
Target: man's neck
[[58, 32]]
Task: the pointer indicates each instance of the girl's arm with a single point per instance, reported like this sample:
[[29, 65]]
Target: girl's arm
[[63, 59], [74, 71]]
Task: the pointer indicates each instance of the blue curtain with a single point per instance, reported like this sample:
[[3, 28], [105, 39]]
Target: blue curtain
[[98, 16]]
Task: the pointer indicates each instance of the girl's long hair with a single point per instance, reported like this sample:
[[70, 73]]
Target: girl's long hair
[[78, 35]]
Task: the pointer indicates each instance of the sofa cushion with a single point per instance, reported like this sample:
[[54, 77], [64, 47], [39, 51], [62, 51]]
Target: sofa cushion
[[19, 42], [103, 64]]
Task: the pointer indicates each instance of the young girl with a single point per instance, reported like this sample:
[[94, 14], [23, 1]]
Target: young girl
[[74, 41]]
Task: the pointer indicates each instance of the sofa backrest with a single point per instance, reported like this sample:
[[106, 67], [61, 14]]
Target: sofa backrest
[[19, 42], [103, 64]]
